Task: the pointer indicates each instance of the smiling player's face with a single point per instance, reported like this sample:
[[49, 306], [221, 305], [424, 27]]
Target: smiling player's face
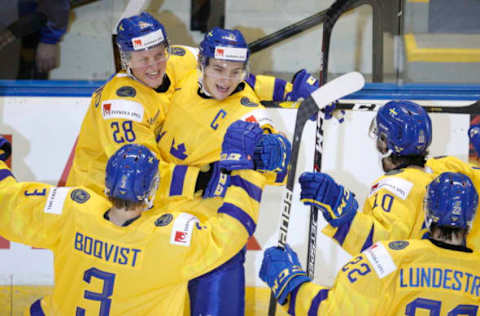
[[149, 66], [222, 77]]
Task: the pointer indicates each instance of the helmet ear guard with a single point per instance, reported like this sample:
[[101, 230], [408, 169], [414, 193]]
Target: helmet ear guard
[[451, 201]]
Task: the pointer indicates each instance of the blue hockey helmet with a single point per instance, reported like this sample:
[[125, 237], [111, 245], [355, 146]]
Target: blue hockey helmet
[[224, 44], [404, 126], [451, 201], [140, 32], [131, 173]]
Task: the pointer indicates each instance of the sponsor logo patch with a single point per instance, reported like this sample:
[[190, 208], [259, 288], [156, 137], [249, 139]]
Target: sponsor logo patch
[[126, 91], [56, 199], [164, 220], [122, 109], [80, 196], [148, 40], [398, 186], [230, 53], [380, 259], [259, 116], [183, 225], [398, 244]]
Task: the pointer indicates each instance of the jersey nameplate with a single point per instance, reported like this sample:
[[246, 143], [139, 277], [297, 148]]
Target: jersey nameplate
[[122, 109], [56, 199], [380, 259], [182, 229], [398, 186]]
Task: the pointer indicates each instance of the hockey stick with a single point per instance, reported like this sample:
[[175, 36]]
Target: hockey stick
[[332, 15], [473, 108], [331, 91], [133, 7]]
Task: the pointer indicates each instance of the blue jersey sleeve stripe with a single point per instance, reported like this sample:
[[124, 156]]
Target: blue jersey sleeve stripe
[[369, 240], [251, 80], [240, 215], [293, 301], [176, 187], [279, 90], [342, 233], [36, 309], [4, 173], [252, 190], [317, 300]]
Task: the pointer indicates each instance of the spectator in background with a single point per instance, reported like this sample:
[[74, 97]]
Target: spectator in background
[[40, 26]]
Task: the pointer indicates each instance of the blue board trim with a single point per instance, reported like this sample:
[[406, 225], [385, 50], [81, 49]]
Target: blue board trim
[[382, 91]]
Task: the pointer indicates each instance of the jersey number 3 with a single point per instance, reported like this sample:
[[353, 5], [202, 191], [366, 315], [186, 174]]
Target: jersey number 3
[[104, 297]]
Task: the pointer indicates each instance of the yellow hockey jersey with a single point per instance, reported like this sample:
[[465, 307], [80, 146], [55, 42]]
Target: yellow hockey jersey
[[413, 277], [393, 210], [193, 130], [139, 269], [126, 111], [453, 164], [123, 111]]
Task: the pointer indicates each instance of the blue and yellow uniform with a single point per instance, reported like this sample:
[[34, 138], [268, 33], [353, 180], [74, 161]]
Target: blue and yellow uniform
[[192, 135], [139, 269], [124, 111], [453, 164], [414, 277], [393, 210]]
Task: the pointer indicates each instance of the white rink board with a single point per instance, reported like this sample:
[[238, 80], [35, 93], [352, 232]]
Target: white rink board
[[44, 130]]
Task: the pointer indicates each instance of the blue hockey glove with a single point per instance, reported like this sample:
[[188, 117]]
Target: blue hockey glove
[[272, 153], [303, 85], [338, 205], [5, 149], [282, 271], [474, 135], [218, 184], [239, 145]]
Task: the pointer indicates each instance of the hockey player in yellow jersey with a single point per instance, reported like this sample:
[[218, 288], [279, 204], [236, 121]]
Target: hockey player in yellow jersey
[[111, 257], [205, 103], [434, 276], [393, 209], [454, 164], [131, 106]]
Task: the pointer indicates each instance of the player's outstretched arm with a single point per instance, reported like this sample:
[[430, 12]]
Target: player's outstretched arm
[[269, 88], [217, 239], [25, 215], [283, 273]]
